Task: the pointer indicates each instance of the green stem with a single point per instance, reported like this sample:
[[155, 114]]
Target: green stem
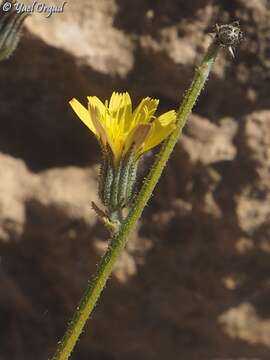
[[119, 240]]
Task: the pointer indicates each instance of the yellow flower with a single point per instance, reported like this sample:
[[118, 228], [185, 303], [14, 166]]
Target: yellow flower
[[116, 125]]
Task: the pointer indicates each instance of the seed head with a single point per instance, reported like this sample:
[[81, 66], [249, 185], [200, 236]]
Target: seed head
[[228, 36]]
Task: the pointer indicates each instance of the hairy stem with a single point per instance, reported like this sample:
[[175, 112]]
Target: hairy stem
[[119, 239]]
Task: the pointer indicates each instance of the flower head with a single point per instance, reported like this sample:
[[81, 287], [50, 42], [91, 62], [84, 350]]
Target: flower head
[[124, 135], [117, 126]]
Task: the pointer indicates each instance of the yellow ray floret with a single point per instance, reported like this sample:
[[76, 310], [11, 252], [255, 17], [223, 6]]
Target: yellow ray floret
[[117, 126]]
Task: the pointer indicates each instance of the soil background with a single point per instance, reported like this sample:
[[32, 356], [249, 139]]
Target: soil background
[[194, 280]]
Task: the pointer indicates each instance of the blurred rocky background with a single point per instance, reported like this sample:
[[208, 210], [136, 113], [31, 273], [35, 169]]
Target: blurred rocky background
[[194, 281]]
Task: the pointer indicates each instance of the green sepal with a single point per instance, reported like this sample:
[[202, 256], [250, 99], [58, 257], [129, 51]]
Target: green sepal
[[106, 177], [116, 181], [10, 31], [114, 205], [132, 175], [128, 178]]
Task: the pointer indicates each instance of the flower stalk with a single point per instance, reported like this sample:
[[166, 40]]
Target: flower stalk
[[120, 237]]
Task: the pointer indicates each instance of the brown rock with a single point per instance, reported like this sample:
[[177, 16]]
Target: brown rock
[[186, 283]]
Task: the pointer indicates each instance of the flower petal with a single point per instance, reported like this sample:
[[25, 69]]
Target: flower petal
[[120, 109], [94, 115], [115, 102], [101, 130], [162, 127], [83, 114], [144, 111], [137, 137], [95, 102]]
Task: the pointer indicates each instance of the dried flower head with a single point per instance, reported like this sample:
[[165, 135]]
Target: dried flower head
[[228, 35]]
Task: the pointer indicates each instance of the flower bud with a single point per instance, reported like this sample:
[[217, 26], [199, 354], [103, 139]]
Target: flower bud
[[11, 23]]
